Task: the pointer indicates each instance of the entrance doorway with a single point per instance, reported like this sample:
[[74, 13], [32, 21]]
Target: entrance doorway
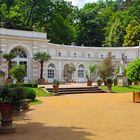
[[21, 58]]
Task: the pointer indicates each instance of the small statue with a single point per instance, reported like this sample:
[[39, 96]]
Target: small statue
[[123, 63]]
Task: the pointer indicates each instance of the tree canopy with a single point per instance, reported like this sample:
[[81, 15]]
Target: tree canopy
[[104, 23]]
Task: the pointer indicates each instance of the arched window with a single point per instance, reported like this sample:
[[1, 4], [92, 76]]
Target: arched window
[[88, 55], [59, 54], [75, 55], [21, 57], [81, 71], [51, 71], [19, 52]]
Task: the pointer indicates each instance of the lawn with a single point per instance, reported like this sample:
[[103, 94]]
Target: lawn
[[41, 92], [119, 89]]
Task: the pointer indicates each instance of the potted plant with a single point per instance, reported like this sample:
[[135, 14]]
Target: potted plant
[[9, 57], [41, 57], [69, 70], [55, 86], [89, 73], [10, 99], [99, 81], [18, 72], [109, 82]]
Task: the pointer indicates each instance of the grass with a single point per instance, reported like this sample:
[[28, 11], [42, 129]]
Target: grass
[[36, 102], [119, 89], [40, 92]]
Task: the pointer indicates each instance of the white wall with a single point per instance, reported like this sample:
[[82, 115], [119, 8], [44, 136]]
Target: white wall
[[34, 42]]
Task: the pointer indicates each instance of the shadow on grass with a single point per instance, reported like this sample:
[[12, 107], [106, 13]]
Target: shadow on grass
[[38, 131]]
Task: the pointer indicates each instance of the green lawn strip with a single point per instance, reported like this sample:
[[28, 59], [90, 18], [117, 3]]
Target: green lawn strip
[[40, 92], [119, 89]]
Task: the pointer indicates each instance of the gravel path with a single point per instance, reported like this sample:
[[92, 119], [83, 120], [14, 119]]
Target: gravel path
[[80, 117]]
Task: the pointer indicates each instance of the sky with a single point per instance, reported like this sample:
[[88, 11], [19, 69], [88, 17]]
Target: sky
[[81, 3]]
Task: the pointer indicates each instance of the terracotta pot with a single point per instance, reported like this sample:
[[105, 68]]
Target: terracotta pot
[[9, 80], [99, 83], [6, 122], [41, 81], [130, 82], [89, 83], [136, 82], [109, 87], [6, 111], [55, 88]]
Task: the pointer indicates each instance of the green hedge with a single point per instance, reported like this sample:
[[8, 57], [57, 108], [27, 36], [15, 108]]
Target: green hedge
[[29, 93], [24, 85]]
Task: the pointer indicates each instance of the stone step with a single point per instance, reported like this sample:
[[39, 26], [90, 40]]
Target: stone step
[[77, 90]]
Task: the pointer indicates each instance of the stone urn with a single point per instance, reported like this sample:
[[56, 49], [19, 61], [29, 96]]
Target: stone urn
[[7, 126]]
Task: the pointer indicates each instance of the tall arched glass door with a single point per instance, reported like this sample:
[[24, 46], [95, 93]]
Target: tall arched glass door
[[21, 58], [51, 72], [81, 73]]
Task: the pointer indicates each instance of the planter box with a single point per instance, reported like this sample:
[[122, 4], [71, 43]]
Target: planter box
[[136, 97]]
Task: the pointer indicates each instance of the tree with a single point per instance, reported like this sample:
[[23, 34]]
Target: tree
[[106, 68], [133, 70], [132, 36], [92, 20], [9, 57], [115, 30], [41, 57], [116, 27]]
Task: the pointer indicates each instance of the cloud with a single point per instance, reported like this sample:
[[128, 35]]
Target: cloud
[[81, 3]]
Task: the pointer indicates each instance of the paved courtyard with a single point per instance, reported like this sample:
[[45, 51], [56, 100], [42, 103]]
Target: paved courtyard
[[80, 117]]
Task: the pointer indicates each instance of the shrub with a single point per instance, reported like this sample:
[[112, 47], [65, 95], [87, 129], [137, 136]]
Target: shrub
[[30, 85], [99, 81], [12, 95], [109, 80], [18, 72], [56, 81], [30, 94], [24, 85], [133, 70]]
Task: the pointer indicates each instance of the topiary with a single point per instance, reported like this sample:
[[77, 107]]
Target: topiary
[[18, 72], [109, 80]]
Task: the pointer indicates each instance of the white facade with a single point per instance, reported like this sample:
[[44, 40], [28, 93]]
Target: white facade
[[27, 43]]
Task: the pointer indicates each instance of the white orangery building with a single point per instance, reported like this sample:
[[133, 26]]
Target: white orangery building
[[26, 43]]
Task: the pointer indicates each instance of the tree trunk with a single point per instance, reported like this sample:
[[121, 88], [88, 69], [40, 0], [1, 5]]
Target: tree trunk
[[41, 70], [9, 67]]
